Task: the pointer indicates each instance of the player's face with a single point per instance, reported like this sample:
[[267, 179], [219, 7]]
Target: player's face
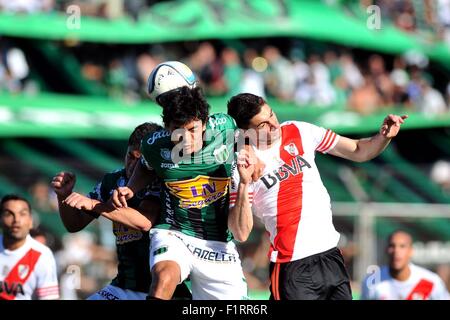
[[16, 220], [399, 251], [190, 135], [266, 126], [131, 159]]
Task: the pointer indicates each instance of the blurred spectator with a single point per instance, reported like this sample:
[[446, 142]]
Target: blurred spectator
[[323, 92], [44, 199], [432, 101], [232, 72], [252, 80], [280, 80], [440, 174], [366, 99], [26, 6], [443, 16], [382, 81], [209, 69], [400, 80], [400, 279]]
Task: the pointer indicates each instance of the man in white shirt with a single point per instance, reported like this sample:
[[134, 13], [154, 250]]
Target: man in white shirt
[[401, 279], [27, 267], [291, 199]]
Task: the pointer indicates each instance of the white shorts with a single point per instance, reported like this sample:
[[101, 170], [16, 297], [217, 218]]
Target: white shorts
[[111, 292], [214, 267]]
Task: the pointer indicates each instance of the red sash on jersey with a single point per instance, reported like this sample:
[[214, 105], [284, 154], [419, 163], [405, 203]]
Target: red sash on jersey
[[289, 212], [422, 289], [17, 276]]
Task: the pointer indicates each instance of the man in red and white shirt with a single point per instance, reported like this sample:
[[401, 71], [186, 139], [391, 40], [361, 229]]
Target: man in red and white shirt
[[401, 279], [27, 267], [291, 199]]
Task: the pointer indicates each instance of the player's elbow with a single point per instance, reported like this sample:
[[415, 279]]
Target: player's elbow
[[145, 227], [241, 236], [72, 228]]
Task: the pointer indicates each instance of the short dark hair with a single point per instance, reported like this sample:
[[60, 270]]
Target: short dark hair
[[392, 234], [183, 105], [11, 197], [243, 107], [141, 131]]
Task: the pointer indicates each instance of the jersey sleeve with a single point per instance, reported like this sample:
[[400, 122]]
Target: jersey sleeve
[[47, 280], [234, 186], [323, 140], [96, 193]]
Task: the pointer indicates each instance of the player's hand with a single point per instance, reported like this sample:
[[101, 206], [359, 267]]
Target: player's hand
[[78, 201], [63, 184], [246, 166], [254, 160], [120, 196], [391, 125]]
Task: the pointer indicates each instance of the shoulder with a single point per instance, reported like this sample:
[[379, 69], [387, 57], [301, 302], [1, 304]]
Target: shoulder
[[220, 121], [425, 273], [114, 175], [300, 125], [45, 252], [112, 180]]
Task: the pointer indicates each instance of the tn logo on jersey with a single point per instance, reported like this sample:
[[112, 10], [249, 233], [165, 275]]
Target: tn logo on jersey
[[198, 192]]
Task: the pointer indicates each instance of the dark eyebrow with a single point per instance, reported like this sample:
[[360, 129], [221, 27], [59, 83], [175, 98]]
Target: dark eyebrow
[[267, 121]]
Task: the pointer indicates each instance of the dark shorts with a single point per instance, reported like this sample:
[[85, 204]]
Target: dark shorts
[[322, 276]]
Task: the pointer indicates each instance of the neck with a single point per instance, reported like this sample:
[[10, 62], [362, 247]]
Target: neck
[[400, 275], [13, 244]]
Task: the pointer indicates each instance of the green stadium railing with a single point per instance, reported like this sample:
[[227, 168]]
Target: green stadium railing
[[93, 156]]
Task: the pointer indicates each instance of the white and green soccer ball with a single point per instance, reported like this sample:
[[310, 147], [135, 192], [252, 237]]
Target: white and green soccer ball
[[168, 76]]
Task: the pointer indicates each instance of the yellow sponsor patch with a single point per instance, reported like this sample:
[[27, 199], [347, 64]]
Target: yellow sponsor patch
[[199, 192], [124, 234]]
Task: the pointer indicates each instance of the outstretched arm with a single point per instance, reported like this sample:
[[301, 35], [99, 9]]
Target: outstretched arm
[[366, 149], [142, 219]]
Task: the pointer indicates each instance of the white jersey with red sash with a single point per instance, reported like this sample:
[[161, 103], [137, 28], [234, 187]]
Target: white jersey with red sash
[[28, 272], [290, 197], [422, 284]]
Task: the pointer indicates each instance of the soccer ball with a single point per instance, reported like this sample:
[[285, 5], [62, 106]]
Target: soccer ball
[[168, 76]]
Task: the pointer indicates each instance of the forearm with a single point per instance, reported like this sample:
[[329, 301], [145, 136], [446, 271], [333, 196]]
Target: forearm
[[73, 219], [125, 216], [369, 148], [240, 218]]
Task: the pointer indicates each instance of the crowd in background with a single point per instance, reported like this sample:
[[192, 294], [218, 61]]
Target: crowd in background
[[331, 78], [429, 18]]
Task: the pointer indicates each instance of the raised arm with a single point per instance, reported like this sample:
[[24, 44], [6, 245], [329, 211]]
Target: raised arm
[[240, 218], [73, 219], [366, 149]]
